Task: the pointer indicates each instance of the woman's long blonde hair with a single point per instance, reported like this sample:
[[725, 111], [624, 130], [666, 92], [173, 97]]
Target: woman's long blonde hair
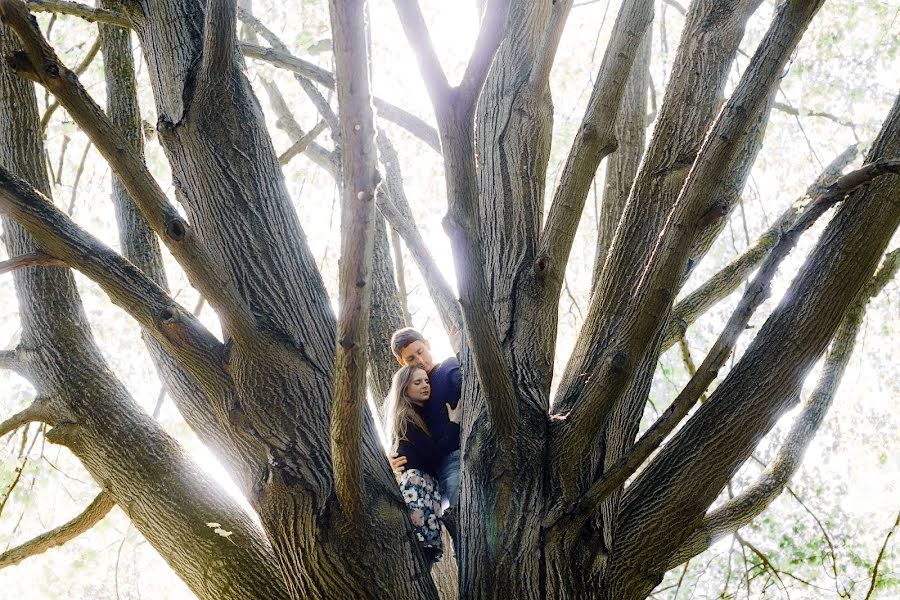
[[399, 409]]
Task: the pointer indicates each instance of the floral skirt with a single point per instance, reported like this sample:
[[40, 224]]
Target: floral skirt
[[423, 501]]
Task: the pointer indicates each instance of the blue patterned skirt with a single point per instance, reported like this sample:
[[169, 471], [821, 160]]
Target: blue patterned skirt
[[423, 502]]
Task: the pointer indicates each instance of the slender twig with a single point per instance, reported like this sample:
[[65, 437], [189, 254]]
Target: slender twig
[[34, 259], [78, 173], [80, 69], [401, 275], [884, 546], [90, 516], [303, 143], [390, 112]]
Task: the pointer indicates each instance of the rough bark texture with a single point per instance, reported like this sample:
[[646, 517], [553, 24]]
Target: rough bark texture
[[282, 399]]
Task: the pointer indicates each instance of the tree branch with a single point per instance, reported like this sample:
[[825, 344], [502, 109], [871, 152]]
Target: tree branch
[[546, 55], [390, 112], [84, 11], [750, 503], [429, 64], [180, 333], [38, 410], [394, 206], [303, 143], [756, 293], [887, 538], [594, 141], [664, 269], [490, 35], [219, 37], [688, 474], [359, 165], [318, 154], [727, 280], [34, 259], [90, 516], [40, 63], [79, 70]]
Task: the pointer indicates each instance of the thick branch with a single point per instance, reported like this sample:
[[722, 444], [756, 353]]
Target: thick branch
[[84, 11], [756, 293], [93, 514], [727, 280], [40, 63], [670, 497], [663, 273], [595, 138], [79, 70], [751, 502], [360, 183], [127, 286], [219, 36]]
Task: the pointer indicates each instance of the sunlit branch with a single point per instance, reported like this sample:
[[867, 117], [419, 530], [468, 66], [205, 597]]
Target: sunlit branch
[[360, 181], [395, 208], [83, 11], [540, 73], [39, 63], [127, 286], [729, 278], [90, 516], [429, 64], [390, 112], [757, 292], [751, 502]]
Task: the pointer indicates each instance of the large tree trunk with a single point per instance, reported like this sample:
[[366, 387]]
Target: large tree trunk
[[545, 511]]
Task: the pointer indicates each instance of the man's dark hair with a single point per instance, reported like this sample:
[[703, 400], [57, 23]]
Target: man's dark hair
[[403, 338]]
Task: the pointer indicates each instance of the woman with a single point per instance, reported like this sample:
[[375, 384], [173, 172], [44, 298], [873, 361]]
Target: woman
[[408, 435]]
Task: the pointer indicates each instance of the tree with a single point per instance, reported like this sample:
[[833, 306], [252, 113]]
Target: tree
[[560, 497]]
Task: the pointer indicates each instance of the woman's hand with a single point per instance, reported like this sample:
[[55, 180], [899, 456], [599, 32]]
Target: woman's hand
[[454, 414]]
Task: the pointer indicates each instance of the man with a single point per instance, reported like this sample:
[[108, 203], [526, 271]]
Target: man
[[412, 349]]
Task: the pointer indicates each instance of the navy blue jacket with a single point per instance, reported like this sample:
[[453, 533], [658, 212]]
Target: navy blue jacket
[[426, 452], [446, 387]]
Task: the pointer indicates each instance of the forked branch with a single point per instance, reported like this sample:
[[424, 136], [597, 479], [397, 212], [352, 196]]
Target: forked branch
[[751, 502], [83, 11], [181, 333], [757, 292]]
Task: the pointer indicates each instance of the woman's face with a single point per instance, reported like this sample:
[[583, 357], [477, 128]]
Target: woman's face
[[419, 389]]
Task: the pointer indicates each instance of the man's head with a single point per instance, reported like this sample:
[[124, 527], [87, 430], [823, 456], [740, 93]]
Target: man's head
[[412, 349]]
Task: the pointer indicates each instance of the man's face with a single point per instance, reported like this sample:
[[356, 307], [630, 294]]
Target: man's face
[[417, 354]]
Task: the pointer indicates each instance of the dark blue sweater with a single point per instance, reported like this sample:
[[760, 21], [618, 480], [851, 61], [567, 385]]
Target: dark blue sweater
[[446, 386], [426, 452]]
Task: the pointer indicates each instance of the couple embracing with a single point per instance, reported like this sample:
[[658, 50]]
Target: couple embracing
[[422, 414]]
